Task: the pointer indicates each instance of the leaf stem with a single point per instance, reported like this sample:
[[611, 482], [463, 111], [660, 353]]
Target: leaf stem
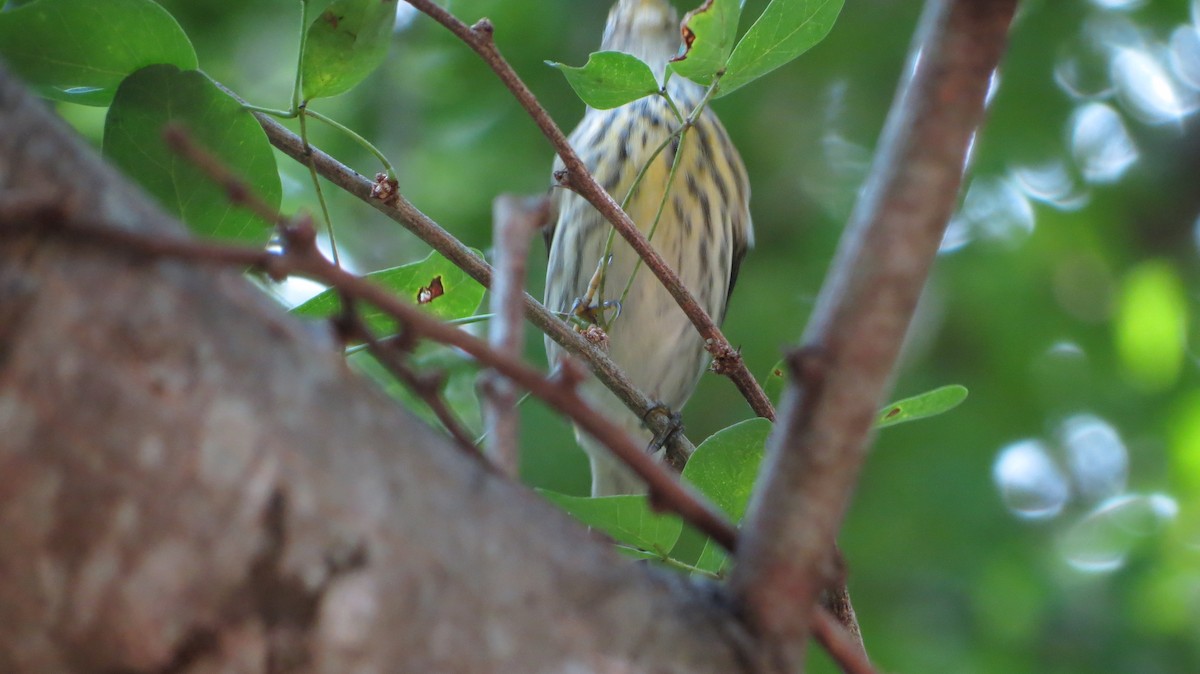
[[353, 135], [328, 121], [296, 84], [671, 104], [682, 133], [281, 114], [316, 181]]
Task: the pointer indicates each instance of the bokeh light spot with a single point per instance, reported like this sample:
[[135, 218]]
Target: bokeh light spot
[[1100, 143], [1096, 456], [1151, 325], [1103, 539], [1146, 88], [1030, 483]]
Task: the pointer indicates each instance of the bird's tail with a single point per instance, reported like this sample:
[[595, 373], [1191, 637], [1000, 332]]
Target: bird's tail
[[610, 475]]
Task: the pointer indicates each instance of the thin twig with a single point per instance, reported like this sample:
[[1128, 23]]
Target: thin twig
[[427, 387], [576, 177], [836, 600], [514, 221], [396, 207], [864, 310]]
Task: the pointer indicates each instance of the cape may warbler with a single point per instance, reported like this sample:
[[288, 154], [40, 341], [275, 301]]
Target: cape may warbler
[[703, 230]]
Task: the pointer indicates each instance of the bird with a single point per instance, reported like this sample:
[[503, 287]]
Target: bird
[[703, 232]]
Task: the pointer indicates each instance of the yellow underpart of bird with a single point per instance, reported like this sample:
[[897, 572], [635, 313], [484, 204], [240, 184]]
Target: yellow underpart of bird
[[703, 232]]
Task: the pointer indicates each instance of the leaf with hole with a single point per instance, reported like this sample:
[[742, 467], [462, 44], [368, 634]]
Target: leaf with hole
[[708, 36], [628, 519], [609, 79], [434, 283], [928, 404], [160, 95], [345, 44], [80, 50], [785, 30]]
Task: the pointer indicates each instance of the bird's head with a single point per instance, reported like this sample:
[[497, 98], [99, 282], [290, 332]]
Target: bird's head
[[648, 29]]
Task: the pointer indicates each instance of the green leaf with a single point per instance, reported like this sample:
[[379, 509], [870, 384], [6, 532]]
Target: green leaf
[[81, 50], [928, 404], [433, 283], [773, 384], [315, 7], [345, 43], [609, 79], [458, 388], [708, 34], [628, 519], [786, 29], [724, 468], [158, 95], [713, 558], [461, 393], [725, 465]]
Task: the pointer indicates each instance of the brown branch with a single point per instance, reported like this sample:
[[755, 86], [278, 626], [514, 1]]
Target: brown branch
[[515, 220], [836, 601], [399, 209], [729, 362], [865, 307], [842, 645]]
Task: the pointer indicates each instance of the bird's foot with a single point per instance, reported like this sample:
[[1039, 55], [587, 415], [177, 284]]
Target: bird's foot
[[661, 437]]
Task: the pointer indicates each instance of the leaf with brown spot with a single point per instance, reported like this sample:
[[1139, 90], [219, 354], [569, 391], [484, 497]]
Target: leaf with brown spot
[[345, 44], [773, 384], [423, 281], [927, 404]]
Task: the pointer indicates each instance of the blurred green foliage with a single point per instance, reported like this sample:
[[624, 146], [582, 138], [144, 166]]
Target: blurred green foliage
[[1050, 523]]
